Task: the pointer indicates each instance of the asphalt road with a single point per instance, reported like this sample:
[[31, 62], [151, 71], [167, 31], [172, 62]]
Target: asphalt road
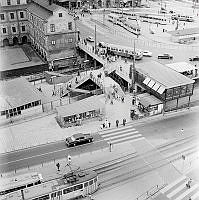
[[166, 128]]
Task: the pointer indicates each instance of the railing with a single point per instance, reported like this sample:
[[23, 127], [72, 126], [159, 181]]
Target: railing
[[151, 192]]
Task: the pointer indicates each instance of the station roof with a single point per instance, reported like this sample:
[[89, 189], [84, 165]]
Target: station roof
[[160, 77], [183, 32], [181, 66], [82, 106], [148, 100], [18, 92]]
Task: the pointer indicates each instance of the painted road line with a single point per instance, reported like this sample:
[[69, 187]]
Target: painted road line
[[173, 184], [188, 191], [119, 135], [127, 138], [117, 131]]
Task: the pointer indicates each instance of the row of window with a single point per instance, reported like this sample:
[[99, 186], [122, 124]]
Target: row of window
[[20, 108], [52, 27], [13, 29], [12, 15], [70, 40], [66, 191], [9, 2]]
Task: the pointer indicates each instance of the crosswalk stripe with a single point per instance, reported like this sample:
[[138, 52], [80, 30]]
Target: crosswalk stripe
[[130, 137], [178, 189], [106, 132], [195, 195], [172, 184], [119, 135], [187, 192], [127, 140], [117, 132]]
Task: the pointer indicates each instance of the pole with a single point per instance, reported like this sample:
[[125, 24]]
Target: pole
[[95, 40]]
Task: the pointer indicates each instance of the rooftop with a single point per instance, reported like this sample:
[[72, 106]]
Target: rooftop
[[148, 100], [45, 4], [181, 66], [85, 105], [188, 31], [18, 92], [162, 74]]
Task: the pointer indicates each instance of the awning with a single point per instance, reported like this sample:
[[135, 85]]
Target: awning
[[146, 80], [161, 89]]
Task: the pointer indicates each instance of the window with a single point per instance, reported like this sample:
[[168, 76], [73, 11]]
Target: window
[[78, 187], [2, 16], [8, 2], [21, 15], [53, 42], [91, 182], [70, 40], [60, 14], [69, 189], [23, 28], [18, 2], [52, 28], [14, 29], [12, 16], [53, 195], [69, 25], [4, 30]]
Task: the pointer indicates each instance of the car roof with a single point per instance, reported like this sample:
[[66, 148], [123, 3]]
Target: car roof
[[78, 135]]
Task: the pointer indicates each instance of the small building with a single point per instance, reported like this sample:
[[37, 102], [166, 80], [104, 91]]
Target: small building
[[86, 109], [18, 99], [149, 104], [184, 35], [185, 69], [172, 88]]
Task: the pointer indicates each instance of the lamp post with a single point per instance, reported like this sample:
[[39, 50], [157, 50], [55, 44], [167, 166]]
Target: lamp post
[[53, 77], [95, 40]]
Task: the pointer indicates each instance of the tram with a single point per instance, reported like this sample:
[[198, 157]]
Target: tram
[[9, 185], [155, 19], [69, 186]]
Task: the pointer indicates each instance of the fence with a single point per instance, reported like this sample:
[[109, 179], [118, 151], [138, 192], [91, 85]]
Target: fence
[[52, 105]]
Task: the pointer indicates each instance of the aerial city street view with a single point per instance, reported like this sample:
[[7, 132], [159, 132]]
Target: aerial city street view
[[99, 99]]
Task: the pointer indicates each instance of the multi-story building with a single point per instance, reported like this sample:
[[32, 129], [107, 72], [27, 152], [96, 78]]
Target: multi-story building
[[46, 26], [13, 22]]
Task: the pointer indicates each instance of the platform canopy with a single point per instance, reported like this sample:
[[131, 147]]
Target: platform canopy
[[181, 66]]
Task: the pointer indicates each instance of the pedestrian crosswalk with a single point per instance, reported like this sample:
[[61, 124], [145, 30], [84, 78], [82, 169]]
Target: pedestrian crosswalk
[[178, 190], [121, 135]]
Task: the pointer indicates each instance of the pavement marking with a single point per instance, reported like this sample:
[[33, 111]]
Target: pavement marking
[[178, 189], [187, 192], [195, 195], [113, 133], [116, 136], [119, 129], [127, 138], [173, 184]]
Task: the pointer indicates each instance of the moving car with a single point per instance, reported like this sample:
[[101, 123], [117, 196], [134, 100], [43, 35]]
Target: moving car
[[165, 56], [78, 139], [147, 53], [195, 58], [90, 39]]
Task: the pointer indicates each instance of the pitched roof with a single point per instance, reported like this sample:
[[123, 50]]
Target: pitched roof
[[45, 4], [166, 77]]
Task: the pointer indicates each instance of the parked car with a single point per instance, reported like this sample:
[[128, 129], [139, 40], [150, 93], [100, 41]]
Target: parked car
[[147, 53], [90, 39], [165, 56], [195, 58], [78, 139]]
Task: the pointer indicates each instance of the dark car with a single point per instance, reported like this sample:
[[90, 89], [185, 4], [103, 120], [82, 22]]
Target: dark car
[[78, 139], [165, 56], [196, 58]]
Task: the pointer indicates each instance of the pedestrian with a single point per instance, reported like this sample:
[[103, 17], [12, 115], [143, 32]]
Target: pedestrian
[[111, 101], [58, 166], [53, 94], [117, 123], [124, 122], [110, 146], [122, 99], [133, 101], [109, 124], [103, 125]]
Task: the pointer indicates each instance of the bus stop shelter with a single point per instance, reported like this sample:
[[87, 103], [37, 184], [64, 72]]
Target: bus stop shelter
[[75, 113]]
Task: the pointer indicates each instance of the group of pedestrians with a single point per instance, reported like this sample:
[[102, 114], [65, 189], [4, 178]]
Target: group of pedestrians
[[107, 124]]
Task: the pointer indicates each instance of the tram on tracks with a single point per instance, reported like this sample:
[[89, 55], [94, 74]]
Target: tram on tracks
[[9, 185], [73, 185]]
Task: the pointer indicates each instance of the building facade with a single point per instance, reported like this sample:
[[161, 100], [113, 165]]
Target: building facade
[[46, 26], [13, 22]]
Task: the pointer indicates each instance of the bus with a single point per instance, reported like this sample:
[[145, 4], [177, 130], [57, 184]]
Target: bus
[[155, 19], [74, 185], [14, 183], [123, 51], [182, 18]]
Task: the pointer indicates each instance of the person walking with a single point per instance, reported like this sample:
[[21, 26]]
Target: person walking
[[124, 122], [109, 124], [117, 123]]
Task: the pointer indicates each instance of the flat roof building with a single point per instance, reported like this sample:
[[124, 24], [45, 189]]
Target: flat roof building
[[164, 83]]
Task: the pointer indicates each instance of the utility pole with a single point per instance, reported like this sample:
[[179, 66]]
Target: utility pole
[[133, 71], [95, 40]]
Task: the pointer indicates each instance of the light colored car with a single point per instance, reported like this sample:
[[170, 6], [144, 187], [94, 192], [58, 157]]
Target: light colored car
[[90, 39], [147, 53], [165, 56]]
